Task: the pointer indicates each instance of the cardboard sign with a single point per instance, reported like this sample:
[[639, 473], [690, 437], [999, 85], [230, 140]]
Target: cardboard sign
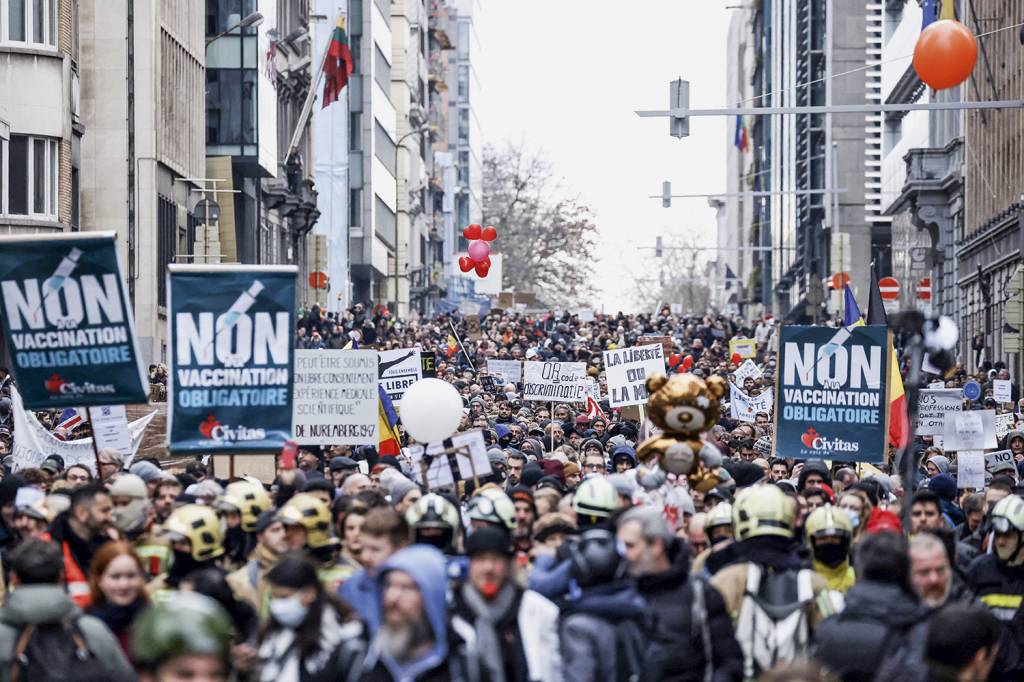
[[261, 467], [444, 469], [398, 370], [67, 321], [745, 407], [933, 405], [1001, 390], [832, 394], [509, 371], [553, 381], [970, 469], [1004, 424], [994, 458], [110, 429], [745, 348], [336, 397], [230, 341], [627, 369], [973, 430], [747, 370]]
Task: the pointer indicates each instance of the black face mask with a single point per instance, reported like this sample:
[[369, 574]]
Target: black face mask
[[183, 565], [831, 555]]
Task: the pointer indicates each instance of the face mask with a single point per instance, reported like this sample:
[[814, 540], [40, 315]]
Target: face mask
[[853, 516], [288, 611], [830, 555]]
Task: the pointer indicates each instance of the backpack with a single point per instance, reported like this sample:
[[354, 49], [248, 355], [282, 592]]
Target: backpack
[[902, 658], [772, 625], [55, 652]]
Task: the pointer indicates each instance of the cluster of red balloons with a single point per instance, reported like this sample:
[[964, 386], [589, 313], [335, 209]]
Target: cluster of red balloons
[[479, 257], [945, 54], [680, 363]]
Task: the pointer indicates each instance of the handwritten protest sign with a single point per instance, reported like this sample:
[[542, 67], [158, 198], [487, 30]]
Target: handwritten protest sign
[[467, 457], [554, 381], [1001, 390], [993, 460], [745, 407], [974, 430], [398, 370], [748, 370], [509, 371], [1004, 422], [970, 469], [932, 407], [335, 399], [627, 370]]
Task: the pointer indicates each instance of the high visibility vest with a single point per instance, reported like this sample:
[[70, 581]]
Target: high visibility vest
[[74, 579], [156, 559]]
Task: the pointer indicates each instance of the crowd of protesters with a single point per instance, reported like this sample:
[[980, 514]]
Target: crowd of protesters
[[571, 560]]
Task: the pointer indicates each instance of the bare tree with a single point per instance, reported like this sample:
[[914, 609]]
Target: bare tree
[[546, 235], [678, 276]]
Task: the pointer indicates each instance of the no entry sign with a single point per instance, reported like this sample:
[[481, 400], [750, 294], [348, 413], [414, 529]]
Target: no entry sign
[[924, 289], [889, 288]]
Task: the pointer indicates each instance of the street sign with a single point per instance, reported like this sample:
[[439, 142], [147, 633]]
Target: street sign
[[972, 390], [839, 280], [318, 280], [924, 289], [889, 288]]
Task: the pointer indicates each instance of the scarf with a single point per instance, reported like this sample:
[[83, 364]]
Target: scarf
[[486, 616], [118, 618]]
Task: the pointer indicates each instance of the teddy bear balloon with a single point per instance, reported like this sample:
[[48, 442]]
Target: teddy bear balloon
[[479, 257], [683, 407]]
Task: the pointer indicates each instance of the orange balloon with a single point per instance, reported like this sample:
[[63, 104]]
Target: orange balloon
[[945, 54]]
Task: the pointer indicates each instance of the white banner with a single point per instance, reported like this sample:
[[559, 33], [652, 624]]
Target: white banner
[[747, 369], [554, 381], [745, 407], [627, 370], [335, 400], [398, 370], [970, 469], [509, 371], [932, 407], [33, 443]]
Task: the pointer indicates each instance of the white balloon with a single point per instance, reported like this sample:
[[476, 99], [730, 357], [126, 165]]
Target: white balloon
[[431, 410]]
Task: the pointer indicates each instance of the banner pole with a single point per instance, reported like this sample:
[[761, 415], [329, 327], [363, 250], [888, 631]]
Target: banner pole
[[458, 340], [95, 447]]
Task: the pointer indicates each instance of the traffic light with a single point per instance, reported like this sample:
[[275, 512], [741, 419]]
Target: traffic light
[[657, 247], [666, 194], [679, 98]]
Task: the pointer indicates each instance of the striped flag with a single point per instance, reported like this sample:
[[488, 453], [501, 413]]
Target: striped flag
[[899, 420], [594, 410], [388, 440], [68, 421]]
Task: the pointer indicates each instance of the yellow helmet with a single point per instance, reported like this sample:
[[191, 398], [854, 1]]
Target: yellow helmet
[[492, 505], [248, 499], [720, 515], [763, 510], [311, 513], [828, 520], [199, 525]]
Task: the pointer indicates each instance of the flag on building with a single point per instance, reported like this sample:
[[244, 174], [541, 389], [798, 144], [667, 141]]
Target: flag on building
[[899, 421], [389, 443], [851, 311], [730, 277], [338, 64], [947, 9], [740, 139]]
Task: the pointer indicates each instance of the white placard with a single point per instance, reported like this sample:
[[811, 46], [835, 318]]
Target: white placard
[[585, 314], [932, 407], [554, 381], [398, 370], [974, 430], [509, 371], [110, 429], [676, 308], [745, 407], [627, 370], [970, 469], [1004, 422], [1001, 390], [747, 370], [335, 397], [993, 458], [439, 470], [937, 384]]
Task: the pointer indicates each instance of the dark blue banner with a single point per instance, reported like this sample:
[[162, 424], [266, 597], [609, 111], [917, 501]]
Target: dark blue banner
[[68, 322], [230, 340], [831, 399]]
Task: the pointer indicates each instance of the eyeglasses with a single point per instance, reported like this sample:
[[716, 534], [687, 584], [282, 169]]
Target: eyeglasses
[[594, 467]]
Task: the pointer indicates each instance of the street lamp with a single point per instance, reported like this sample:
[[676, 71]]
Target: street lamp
[[394, 273], [254, 19]]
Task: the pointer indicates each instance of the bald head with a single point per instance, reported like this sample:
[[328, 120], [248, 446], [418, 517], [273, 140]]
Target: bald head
[[356, 483]]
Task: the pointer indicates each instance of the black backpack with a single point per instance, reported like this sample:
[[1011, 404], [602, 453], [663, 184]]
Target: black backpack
[[55, 652]]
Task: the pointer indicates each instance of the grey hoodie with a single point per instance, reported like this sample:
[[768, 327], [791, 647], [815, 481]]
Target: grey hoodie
[[43, 604]]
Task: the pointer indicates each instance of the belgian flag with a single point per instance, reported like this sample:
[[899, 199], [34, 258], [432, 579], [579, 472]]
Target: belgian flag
[[899, 421]]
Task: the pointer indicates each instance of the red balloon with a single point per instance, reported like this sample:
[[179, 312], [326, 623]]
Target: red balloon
[[945, 54], [472, 232], [465, 263], [482, 268], [489, 234], [681, 370], [688, 361], [486, 261], [674, 359], [736, 359]]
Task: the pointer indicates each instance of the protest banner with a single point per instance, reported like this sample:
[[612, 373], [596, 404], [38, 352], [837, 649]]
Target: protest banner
[[831, 397], [1002, 390], [1004, 457], [745, 407], [230, 341], [585, 314], [399, 369], [428, 363], [626, 372], [67, 321], [509, 371], [33, 442], [461, 457], [933, 404], [554, 381], [1004, 423], [970, 469], [473, 331], [974, 430], [747, 370], [745, 348], [110, 429], [335, 397]]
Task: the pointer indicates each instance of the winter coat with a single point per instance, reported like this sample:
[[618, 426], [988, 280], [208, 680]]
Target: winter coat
[[589, 634], [876, 614], [677, 652], [338, 659], [362, 593], [1001, 589], [48, 604]]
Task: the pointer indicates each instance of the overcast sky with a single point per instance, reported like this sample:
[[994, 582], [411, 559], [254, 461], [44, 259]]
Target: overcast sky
[[565, 76]]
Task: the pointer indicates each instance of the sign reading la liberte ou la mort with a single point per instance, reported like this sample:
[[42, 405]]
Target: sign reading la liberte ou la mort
[[832, 400]]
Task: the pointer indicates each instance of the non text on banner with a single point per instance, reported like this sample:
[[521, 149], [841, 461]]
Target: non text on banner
[[832, 394], [68, 321], [230, 341], [626, 371], [554, 381], [335, 397], [400, 369]]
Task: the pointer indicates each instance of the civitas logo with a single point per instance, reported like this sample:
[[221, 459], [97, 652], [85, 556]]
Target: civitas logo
[[815, 441], [212, 428], [57, 385]]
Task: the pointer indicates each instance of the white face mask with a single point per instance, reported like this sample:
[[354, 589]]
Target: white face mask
[[288, 611]]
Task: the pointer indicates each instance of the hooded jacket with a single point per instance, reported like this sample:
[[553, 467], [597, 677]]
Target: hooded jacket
[[813, 467], [48, 604], [621, 451]]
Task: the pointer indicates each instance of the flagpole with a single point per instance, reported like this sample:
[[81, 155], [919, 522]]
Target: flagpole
[[307, 106]]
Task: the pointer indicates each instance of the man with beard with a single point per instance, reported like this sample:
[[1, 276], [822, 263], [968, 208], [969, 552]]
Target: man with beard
[[930, 572], [526, 514], [165, 496], [412, 642], [133, 516], [79, 532], [249, 582], [516, 461], [194, 532], [515, 632]]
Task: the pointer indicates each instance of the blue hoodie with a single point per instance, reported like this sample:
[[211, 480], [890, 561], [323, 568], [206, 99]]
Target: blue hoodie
[[427, 566], [362, 593], [624, 450]]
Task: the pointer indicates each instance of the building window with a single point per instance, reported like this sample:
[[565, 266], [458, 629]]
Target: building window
[[32, 22], [463, 81], [464, 168], [381, 69], [355, 208], [167, 238], [230, 107], [464, 125], [355, 133], [386, 222], [384, 148], [28, 176]]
